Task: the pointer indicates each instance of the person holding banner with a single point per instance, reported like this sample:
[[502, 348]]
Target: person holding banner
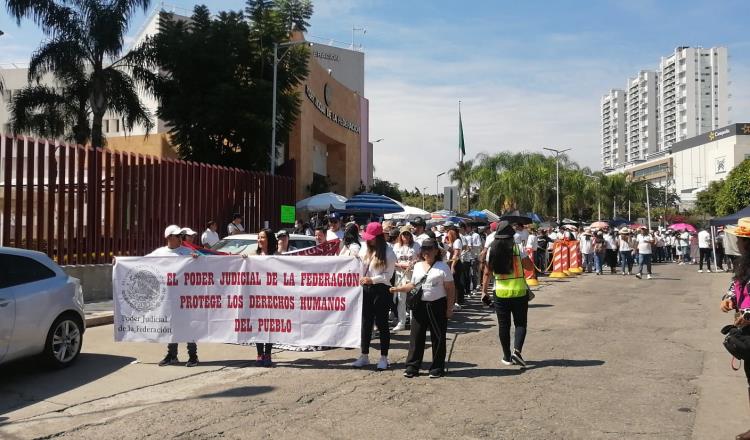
[[321, 235], [174, 248], [511, 292], [432, 312], [267, 245], [351, 247], [210, 237], [379, 264], [282, 237]]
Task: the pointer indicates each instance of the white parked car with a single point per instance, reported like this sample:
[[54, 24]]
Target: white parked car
[[247, 244], [41, 309]]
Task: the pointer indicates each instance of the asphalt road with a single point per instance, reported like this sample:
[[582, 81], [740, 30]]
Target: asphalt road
[[610, 357]]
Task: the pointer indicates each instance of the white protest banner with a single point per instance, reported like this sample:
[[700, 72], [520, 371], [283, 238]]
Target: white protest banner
[[302, 301]]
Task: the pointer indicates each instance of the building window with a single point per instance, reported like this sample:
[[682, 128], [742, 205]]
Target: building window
[[106, 125], [117, 125]]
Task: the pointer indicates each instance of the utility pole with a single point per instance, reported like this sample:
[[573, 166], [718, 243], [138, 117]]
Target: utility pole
[[557, 177], [437, 189]]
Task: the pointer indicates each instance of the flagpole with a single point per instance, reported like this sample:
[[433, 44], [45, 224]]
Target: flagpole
[[460, 155]]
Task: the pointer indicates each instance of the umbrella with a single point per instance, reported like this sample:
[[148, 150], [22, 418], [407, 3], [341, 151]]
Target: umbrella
[[408, 213], [477, 214], [567, 221], [442, 214], [599, 225], [682, 227], [372, 204], [491, 216], [322, 202], [520, 219]]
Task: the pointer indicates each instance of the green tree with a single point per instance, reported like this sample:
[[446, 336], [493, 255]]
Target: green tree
[[735, 193], [83, 50], [464, 175], [227, 120], [386, 188], [706, 200]]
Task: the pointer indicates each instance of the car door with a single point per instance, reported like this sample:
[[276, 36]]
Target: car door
[[33, 286], [7, 310]]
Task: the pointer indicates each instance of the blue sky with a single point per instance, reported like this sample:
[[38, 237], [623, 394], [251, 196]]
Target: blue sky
[[529, 74]]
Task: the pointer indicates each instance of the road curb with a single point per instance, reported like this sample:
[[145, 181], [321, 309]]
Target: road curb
[[100, 319]]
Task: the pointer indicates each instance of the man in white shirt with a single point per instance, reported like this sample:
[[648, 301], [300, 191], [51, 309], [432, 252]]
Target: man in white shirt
[[645, 251], [419, 230], [210, 237], [235, 227], [704, 247], [521, 234], [174, 248], [531, 245], [335, 232], [685, 246]]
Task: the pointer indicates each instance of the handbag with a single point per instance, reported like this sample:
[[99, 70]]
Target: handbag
[[737, 341], [414, 296]]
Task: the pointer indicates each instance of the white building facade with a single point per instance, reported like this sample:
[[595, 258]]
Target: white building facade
[[613, 128], [687, 96]]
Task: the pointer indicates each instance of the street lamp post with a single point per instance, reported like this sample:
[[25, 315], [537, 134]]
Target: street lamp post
[[598, 195], [557, 176], [437, 189], [276, 60], [424, 190]]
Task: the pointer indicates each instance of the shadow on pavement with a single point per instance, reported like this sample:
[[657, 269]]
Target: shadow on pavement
[[563, 363], [539, 306], [28, 381], [484, 372], [237, 392]]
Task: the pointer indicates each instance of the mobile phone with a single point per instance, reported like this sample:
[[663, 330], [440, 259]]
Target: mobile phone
[[487, 300]]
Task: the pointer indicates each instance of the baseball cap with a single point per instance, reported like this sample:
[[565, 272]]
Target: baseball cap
[[172, 230], [419, 221], [493, 226], [372, 230], [334, 216], [282, 233], [429, 243], [504, 230], [187, 231]]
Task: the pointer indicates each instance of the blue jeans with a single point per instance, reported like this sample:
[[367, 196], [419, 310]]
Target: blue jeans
[[644, 260], [598, 262], [626, 259], [588, 262], [686, 254]]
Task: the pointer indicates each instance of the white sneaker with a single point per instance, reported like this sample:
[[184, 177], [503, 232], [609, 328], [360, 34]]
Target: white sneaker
[[680, 263], [399, 327], [456, 307], [383, 363], [362, 361], [708, 270], [648, 277], [700, 270]]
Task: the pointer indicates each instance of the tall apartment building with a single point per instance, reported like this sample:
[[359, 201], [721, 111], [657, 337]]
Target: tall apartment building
[[694, 93], [686, 97], [641, 122], [613, 128]]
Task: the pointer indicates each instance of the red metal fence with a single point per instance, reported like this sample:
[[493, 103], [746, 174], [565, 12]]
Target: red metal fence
[[48, 205]]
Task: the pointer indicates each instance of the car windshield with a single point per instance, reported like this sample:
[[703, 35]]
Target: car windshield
[[236, 246]]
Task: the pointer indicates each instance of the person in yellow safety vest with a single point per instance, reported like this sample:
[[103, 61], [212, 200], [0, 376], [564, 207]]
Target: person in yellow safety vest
[[504, 262]]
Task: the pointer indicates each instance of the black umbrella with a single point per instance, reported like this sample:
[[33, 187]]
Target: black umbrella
[[519, 219]]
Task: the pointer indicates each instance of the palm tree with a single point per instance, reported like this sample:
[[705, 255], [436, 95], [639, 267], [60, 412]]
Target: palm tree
[[85, 42], [463, 174]]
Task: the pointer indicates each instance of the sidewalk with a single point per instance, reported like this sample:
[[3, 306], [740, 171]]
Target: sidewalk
[[99, 313]]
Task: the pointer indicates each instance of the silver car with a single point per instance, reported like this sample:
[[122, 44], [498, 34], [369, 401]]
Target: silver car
[[41, 309], [247, 244]]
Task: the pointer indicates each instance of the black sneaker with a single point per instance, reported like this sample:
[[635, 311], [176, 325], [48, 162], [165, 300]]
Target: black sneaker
[[518, 359], [411, 373], [436, 374], [168, 360], [192, 362]]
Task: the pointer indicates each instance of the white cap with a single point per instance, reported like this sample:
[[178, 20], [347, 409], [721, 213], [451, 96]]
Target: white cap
[[187, 231], [172, 230]]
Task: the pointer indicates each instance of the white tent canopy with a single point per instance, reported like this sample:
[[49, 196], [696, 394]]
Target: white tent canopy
[[322, 202], [409, 213], [491, 216]]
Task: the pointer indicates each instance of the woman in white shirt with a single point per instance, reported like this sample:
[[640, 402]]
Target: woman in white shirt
[[379, 263], [210, 237], [351, 246], [407, 254], [625, 244], [432, 312], [454, 247]]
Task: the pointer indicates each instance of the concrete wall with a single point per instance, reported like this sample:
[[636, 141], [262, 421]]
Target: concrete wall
[[96, 280]]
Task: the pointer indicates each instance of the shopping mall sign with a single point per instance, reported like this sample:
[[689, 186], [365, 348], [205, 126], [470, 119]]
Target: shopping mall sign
[[323, 108]]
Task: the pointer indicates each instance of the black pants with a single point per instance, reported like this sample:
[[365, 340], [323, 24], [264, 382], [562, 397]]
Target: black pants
[[720, 258], [191, 346], [376, 302], [264, 349], [466, 273], [611, 259], [519, 309], [428, 315], [458, 280], [705, 253]]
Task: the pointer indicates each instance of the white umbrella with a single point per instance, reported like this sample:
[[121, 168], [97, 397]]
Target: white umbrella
[[409, 213], [491, 216], [322, 202]]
